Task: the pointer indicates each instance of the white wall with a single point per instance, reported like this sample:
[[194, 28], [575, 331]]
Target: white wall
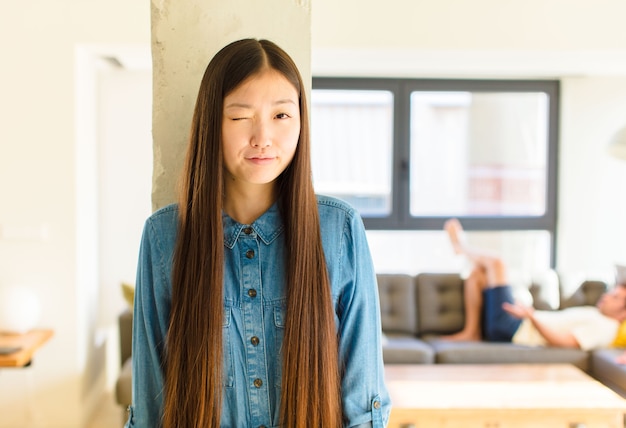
[[581, 42], [578, 25], [38, 189], [125, 180], [123, 101], [592, 201]]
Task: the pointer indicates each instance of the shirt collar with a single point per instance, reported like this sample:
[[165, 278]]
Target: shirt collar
[[268, 227]]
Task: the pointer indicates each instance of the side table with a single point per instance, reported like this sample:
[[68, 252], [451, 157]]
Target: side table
[[26, 345]]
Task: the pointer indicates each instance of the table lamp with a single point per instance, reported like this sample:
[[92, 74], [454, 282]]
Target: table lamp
[[617, 145], [19, 309]]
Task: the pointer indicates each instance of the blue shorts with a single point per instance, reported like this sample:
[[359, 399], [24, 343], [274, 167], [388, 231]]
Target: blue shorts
[[498, 325]]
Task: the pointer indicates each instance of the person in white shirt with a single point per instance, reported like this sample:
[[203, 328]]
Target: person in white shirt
[[491, 313]]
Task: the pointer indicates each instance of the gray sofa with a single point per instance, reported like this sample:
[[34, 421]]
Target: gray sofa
[[416, 310], [123, 387]]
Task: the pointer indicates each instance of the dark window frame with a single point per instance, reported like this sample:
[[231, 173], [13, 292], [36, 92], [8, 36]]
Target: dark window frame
[[400, 217]]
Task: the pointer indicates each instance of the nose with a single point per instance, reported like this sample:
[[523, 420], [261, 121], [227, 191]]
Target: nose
[[261, 135]]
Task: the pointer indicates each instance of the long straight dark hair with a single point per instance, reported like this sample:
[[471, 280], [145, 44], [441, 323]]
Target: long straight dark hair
[[310, 391]]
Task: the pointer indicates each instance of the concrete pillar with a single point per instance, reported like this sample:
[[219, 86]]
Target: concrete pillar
[[185, 36]]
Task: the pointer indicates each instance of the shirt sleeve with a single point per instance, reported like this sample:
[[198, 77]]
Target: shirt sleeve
[[366, 400], [597, 331], [149, 326]]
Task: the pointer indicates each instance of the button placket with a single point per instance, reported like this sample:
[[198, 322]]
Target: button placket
[[252, 312]]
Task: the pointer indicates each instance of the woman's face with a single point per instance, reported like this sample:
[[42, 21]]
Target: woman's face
[[260, 129]]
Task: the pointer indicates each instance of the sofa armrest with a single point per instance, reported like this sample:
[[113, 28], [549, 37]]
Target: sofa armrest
[[607, 370]]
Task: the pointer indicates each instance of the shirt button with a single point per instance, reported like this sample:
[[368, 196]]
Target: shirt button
[[254, 340], [247, 230], [250, 254], [377, 405], [252, 292], [258, 383]]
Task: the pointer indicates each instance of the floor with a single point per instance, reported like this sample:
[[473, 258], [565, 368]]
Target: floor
[[109, 414]]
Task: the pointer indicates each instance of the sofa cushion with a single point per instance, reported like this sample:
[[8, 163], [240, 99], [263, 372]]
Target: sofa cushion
[[453, 352], [587, 294], [399, 349], [605, 369], [439, 303], [397, 303]]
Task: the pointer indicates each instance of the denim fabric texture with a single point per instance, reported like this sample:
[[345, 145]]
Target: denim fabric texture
[[254, 316], [498, 324]]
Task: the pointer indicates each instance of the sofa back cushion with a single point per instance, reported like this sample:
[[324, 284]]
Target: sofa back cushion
[[439, 303], [397, 303], [586, 295]]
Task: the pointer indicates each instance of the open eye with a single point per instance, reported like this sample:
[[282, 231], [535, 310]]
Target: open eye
[[282, 116]]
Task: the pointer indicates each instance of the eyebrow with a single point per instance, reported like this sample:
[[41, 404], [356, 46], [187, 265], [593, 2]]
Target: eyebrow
[[275, 103]]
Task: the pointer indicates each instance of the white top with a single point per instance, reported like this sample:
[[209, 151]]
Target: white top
[[590, 328]]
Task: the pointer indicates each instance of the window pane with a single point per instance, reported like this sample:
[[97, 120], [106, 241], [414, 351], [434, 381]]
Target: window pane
[[478, 154], [352, 143], [413, 251]]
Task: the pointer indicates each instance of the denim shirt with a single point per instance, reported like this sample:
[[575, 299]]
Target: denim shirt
[[254, 316]]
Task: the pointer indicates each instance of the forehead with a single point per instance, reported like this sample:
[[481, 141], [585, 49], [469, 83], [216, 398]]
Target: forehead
[[267, 83]]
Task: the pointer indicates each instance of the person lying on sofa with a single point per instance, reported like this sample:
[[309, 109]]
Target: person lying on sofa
[[491, 313]]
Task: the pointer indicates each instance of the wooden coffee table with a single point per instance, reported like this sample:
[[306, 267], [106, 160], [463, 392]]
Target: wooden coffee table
[[503, 396]]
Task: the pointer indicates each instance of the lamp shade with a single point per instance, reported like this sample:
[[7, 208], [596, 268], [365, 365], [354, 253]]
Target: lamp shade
[[617, 146], [19, 309]]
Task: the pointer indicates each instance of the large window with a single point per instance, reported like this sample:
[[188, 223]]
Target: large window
[[409, 154], [353, 149]]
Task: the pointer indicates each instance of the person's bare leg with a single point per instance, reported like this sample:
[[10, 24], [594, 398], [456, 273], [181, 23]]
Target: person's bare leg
[[473, 303], [488, 271], [493, 266], [455, 233]]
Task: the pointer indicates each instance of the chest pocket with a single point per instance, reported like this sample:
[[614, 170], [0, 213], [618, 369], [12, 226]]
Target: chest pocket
[[227, 359]]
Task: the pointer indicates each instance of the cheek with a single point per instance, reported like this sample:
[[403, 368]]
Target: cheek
[[290, 140], [232, 134], [234, 139], [290, 149]]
